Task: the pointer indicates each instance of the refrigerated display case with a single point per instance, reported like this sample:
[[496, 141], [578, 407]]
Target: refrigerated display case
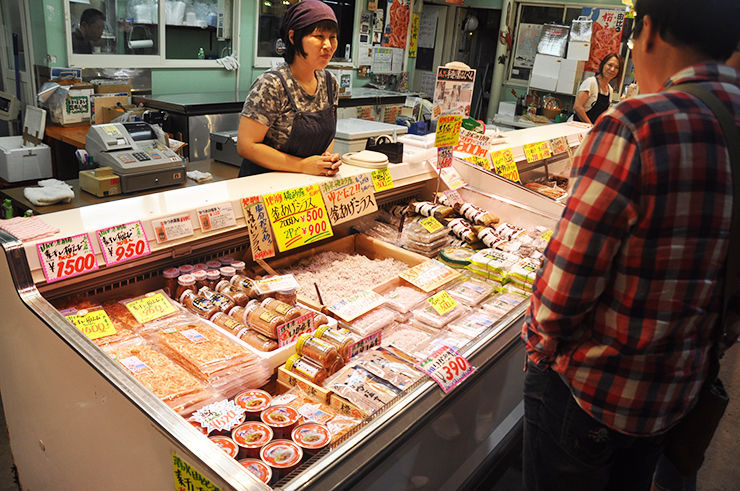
[[79, 420]]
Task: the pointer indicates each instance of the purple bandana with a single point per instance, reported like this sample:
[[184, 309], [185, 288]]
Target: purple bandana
[[304, 14]]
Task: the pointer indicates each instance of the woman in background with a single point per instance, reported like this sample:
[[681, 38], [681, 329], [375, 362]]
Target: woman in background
[[595, 93]]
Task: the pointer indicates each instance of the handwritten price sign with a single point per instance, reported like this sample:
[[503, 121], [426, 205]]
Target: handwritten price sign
[[216, 216], [444, 157], [448, 131], [260, 235], [349, 198], [442, 302], [94, 324], [150, 308], [382, 179], [431, 224], [365, 344], [559, 145], [63, 258], [504, 165], [447, 367], [536, 151], [298, 217], [429, 275], [123, 242], [289, 332], [355, 305]]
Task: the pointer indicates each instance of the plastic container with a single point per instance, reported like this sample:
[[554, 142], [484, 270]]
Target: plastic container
[[185, 282], [262, 320], [212, 278], [502, 303], [283, 456], [198, 426], [170, 281], [258, 468], [198, 304], [471, 291], [239, 267], [226, 260], [200, 279], [245, 284], [235, 327], [227, 272], [281, 419], [289, 296], [282, 308], [186, 269], [251, 437], [403, 299], [456, 257], [200, 267], [306, 369], [428, 315], [340, 338], [253, 401], [226, 444], [258, 340], [406, 337], [474, 323], [373, 321], [214, 265], [321, 352], [311, 437], [224, 303], [227, 288]]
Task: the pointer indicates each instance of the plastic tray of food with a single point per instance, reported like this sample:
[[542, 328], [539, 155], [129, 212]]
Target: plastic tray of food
[[446, 337], [405, 336], [501, 303], [373, 321], [428, 315], [471, 290], [474, 323], [404, 298], [416, 231]]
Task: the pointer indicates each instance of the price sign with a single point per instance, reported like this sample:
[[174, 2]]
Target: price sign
[[442, 302], [357, 304], [447, 367], [536, 151], [382, 179], [453, 197], [150, 307], [260, 234], [429, 275], [187, 478], [349, 197], [298, 217], [289, 332], [63, 258], [476, 144], [448, 131], [216, 217], [547, 235], [276, 284], [172, 228], [221, 415], [450, 177], [431, 224], [123, 242], [479, 161], [504, 165], [365, 344], [94, 324], [444, 157], [559, 145]]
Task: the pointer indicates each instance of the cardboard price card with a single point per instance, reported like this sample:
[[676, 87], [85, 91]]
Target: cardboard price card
[[150, 307], [504, 165], [536, 151], [354, 306], [289, 332], [172, 228], [447, 367], [431, 224], [276, 284], [189, 479], [444, 157], [429, 275], [448, 131], [559, 145], [450, 177], [298, 217], [453, 197], [94, 324], [349, 197], [365, 344], [382, 179], [260, 233], [123, 242], [442, 302], [67, 257], [216, 217]]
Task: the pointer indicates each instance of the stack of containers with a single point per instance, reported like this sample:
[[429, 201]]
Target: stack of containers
[[418, 239]]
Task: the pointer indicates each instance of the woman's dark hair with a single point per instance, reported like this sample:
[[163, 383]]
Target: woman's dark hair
[[709, 27], [91, 16], [297, 45], [606, 59]]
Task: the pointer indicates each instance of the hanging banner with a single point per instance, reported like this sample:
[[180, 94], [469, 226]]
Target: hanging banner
[[606, 34], [414, 42]]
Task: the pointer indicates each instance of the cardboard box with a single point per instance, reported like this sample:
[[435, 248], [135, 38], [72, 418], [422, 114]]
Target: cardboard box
[[101, 182], [77, 107], [18, 163], [578, 50], [113, 88], [545, 72], [571, 73], [106, 100], [109, 113]]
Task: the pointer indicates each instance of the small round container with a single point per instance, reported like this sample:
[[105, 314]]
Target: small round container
[[185, 282], [186, 269], [170, 281], [200, 267], [214, 264], [282, 420], [323, 353], [253, 401], [311, 437], [227, 444], [227, 272], [198, 426], [200, 279], [239, 266], [283, 456], [212, 278], [258, 468], [251, 437], [226, 260], [287, 296]]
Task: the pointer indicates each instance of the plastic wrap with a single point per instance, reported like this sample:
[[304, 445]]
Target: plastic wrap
[[403, 299], [471, 291], [373, 321], [406, 337], [428, 315], [452, 339]]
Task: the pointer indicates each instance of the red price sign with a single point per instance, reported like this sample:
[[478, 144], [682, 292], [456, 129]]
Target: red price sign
[[447, 367], [67, 257], [123, 242]]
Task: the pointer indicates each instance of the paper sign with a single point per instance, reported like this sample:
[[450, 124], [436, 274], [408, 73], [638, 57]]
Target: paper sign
[[444, 157], [219, 416], [558, 145], [536, 151], [216, 216], [382, 180], [276, 284], [431, 224], [188, 479], [453, 197], [452, 178], [64, 258], [260, 235], [289, 332], [94, 324], [123, 242], [475, 144], [357, 304], [298, 217], [172, 228], [547, 235], [150, 308], [429, 275], [349, 198], [448, 131], [447, 367], [484, 162], [365, 344], [442, 302], [504, 165]]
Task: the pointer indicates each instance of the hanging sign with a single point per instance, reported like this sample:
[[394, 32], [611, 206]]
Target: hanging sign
[[453, 92], [382, 179], [429, 275], [93, 323], [298, 217], [260, 235], [215, 217], [444, 157], [448, 131], [349, 197], [123, 242], [536, 151], [414, 43], [447, 367], [504, 165], [64, 258], [172, 228]]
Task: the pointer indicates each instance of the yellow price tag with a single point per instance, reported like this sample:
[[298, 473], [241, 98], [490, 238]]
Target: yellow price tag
[[448, 131], [537, 151], [547, 235], [150, 308], [382, 179], [298, 217], [442, 302], [479, 161], [504, 164], [94, 325], [431, 224]]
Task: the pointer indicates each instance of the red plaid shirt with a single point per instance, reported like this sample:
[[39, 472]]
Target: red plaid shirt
[[631, 287]]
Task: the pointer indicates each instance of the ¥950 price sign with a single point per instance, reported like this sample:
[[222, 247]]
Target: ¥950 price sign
[[123, 242], [447, 367]]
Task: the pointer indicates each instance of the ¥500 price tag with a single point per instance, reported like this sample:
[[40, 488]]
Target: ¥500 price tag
[[67, 257], [447, 367], [123, 242]]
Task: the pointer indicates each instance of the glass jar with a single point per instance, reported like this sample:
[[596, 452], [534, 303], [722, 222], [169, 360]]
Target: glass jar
[[198, 304], [287, 296], [316, 350], [200, 279], [306, 369], [185, 282], [319, 319], [200, 267], [224, 303], [214, 264], [227, 272], [226, 260], [239, 314], [229, 323], [339, 337], [245, 284], [226, 288], [282, 308], [186, 269], [258, 340], [239, 267], [170, 281], [262, 320], [212, 278]]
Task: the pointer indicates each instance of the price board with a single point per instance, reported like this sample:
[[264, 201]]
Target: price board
[[298, 217], [216, 217], [123, 242], [451, 177], [219, 416], [484, 162], [559, 145], [260, 234], [93, 323], [429, 275], [382, 179], [504, 164], [536, 151], [447, 367], [67, 257], [453, 197], [448, 131], [150, 307], [289, 332], [355, 305], [444, 157], [442, 302], [348, 198], [476, 144], [172, 228]]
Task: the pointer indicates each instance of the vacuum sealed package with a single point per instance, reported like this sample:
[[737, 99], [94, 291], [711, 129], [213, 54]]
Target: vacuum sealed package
[[471, 291]]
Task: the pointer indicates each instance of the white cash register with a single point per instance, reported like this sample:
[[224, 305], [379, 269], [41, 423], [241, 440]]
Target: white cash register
[[136, 154]]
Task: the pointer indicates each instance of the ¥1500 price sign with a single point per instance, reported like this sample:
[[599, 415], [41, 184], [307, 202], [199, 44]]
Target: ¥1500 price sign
[[123, 242], [70, 256], [447, 367]]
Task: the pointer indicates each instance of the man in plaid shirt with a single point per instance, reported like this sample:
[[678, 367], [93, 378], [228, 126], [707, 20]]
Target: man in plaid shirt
[[621, 317]]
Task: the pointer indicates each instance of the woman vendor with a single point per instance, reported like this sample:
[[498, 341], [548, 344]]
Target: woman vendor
[[595, 93], [289, 118]]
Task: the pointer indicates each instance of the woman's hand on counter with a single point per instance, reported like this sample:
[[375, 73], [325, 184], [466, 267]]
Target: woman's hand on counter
[[321, 165]]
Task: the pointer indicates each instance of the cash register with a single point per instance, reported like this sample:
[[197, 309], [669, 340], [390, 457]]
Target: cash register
[[136, 154]]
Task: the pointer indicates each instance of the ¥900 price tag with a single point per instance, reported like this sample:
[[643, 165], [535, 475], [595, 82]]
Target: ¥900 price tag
[[447, 367]]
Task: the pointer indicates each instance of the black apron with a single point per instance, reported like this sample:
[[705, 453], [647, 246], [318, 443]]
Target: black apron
[[311, 133], [601, 105]]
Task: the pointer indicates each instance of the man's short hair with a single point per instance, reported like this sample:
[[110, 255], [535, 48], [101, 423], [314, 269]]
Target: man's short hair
[[709, 26], [91, 16]]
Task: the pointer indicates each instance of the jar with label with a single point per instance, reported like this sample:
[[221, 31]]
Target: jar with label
[[245, 284], [315, 349], [229, 323], [239, 267], [170, 281], [258, 340], [212, 278], [198, 304], [339, 337], [306, 369], [289, 296], [319, 319], [185, 282], [186, 269], [226, 260], [282, 308], [224, 303], [226, 288], [214, 265], [239, 314], [200, 279], [227, 272], [200, 267], [263, 320]]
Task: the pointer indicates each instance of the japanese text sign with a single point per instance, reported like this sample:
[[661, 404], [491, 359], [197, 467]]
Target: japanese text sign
[[70, 256], [93, 323], [504, 165], [258, 223], [429, 275], [448, 131], [536, 151], [150, 307], [348, 198], [289, 332], [447, 367], [298, 217], [215, 217], [123, 242], [172, 228], [382, 179], [355, 305]]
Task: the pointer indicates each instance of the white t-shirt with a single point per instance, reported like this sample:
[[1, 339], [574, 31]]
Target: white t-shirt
[[591, 85]]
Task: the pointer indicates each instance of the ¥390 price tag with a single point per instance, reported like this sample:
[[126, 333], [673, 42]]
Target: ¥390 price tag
[[447, 367]]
